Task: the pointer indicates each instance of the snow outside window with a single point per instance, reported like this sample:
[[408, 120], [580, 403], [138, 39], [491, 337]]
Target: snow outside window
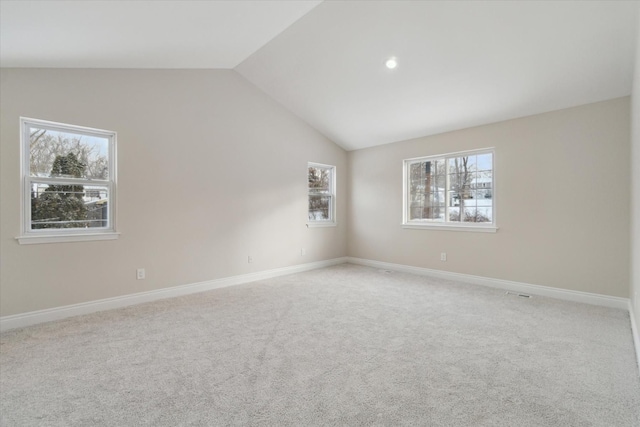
[[452, 190], [69, 182], [322, 194]]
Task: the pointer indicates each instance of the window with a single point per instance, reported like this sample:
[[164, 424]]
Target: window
[[322, 195], [68, 182], [452, 191]]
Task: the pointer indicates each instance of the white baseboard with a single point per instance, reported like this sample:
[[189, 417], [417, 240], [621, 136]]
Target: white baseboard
[[40, 316], [635, 332], [526, 288], [34, 317]]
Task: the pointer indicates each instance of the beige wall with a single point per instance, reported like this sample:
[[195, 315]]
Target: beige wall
[[210, 170], [562, 195], [635, 190]]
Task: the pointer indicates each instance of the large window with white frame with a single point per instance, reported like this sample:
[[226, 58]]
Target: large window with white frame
[[68, 182], [455, 191], [322, 194]]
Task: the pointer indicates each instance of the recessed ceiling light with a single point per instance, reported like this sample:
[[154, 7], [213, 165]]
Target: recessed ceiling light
[[391, 63]]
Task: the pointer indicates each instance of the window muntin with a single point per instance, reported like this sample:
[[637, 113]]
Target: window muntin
[[455, 189], [68, 175], [321, 193]]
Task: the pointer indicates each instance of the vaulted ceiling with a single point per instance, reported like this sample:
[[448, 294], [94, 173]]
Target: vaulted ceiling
[[460, 63]]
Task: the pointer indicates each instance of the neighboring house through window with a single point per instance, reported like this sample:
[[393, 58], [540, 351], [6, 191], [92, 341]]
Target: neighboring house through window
[[322, 194], [69, 182], [455, 191]]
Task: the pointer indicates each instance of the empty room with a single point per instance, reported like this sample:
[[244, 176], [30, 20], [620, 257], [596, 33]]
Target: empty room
[[310, 213]]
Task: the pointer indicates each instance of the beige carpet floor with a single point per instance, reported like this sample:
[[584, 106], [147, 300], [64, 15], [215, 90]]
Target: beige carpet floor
[[346, 345]]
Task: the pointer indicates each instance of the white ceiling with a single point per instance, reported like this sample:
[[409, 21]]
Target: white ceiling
[[140, 34], [461, 63]]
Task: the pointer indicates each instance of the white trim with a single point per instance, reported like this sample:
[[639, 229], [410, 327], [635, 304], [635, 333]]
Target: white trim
[[322, 224], [454, 154], [450, 227], [635, 332], [30, 236], [67, 181], [57, 313], [546, 291], [64, 238], [331, 222], [447, 225]]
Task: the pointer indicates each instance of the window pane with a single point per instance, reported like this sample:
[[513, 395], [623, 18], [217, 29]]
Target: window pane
[[437, 167], [471, 162], [472, 199], [427, 183], [319, 207], [415, 170], [68, 206], [68, 155], [483, 179], [469, 214], [485, 214], [453, 183], [484, 197], [432, 212], [415, 212], [464, 187], [319, 180], [454, 214], [431, 170], [485, 162], [439, 182], [436, 213], [462, 164], [454, 198], [477, 215], [417, 173]]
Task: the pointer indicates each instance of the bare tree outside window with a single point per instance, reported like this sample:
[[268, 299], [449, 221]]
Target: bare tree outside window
[[427, 181], [69, 179], [450, 189], [321, 192], [64, 155], [46, 145]]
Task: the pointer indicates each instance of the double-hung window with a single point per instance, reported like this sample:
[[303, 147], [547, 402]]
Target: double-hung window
[[68, 182], [452, 191], [322, 195]]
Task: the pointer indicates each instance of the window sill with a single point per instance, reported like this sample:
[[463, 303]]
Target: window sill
[[64, 238], [321, 224], [451, 227]]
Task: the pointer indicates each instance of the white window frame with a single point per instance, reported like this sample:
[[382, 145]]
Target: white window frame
[[331, 222], [451, 226], [50, 235]]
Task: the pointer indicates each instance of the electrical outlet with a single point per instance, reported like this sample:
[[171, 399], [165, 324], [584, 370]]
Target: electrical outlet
[[140, 274], [303, 252], [249, 259], [443, 256]]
